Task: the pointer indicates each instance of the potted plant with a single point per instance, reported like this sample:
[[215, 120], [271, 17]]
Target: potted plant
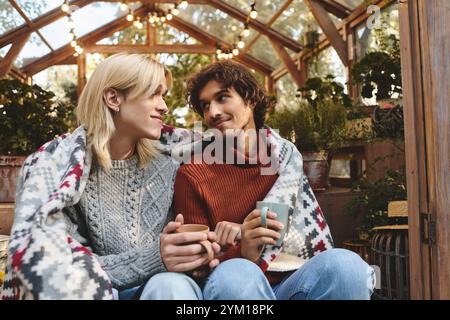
[[315, 130], [372, 200], [29, 117]]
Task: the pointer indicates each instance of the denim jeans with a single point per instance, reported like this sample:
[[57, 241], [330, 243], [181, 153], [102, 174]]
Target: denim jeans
[[333, 274]]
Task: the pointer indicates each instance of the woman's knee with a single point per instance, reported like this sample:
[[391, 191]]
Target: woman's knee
[[171, 285]]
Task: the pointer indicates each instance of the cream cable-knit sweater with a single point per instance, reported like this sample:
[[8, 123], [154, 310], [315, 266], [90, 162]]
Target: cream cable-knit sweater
[[121, 214]]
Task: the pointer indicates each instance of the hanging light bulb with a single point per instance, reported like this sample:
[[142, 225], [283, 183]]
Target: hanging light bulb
[[253, 12], [65, 7], [240, 44], [235, 51], [246, 31], [123, 6], [130, 16], [218, 51], [230, 55], [163, 19], [175, 10], [169, 15], [183, 4], [151, 19], [73, 43]]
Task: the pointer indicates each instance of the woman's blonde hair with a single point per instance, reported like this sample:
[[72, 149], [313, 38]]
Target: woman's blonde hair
[[133, 74]]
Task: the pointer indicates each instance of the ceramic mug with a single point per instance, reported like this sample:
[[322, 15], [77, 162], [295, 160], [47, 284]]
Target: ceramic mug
[[282, 211], [198, 228]]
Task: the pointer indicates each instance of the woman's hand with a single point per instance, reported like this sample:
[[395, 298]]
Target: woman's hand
[[228, 233], [254, 237], [181, 252]]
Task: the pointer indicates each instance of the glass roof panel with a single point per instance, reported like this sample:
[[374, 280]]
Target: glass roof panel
[[9, 17], [56, 33], [4, 50], [86, 19], [34, 9], [95, 15], [166, 34], [33, 49], [265, 8], [263, 50], [212, 21], [129, 35], [295, 21]]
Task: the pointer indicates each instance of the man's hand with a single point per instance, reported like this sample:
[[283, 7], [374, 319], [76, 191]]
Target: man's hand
[[228, 233], [181, 252], [254, 237]]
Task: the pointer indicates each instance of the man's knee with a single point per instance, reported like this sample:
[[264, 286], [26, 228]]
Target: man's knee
[[237, 279]]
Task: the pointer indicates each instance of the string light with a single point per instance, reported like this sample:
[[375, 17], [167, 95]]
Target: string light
[[246, 32], [183, 4], [253, 12], [130, 16], [124, 6], [241, 43], [65, 6], [175, 10], [169, 15]]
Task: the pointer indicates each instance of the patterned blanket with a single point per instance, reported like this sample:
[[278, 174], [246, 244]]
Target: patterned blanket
[[308, 233], [44, 262]]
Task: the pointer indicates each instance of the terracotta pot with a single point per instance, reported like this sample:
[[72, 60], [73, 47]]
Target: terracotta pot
[[316, 169], [9, 172]]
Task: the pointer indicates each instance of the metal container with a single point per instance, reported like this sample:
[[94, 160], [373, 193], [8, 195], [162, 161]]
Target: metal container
[[390, 251]]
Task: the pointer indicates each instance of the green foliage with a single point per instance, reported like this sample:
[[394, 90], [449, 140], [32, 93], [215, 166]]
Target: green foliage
[[380, 69], [373, 199], [309, 127], [30, 116], [317, 89]]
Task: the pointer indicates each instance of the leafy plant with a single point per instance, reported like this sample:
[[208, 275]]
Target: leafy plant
[[317, 89], [30, 116], [311, 128], [380, 69], [373, 199]]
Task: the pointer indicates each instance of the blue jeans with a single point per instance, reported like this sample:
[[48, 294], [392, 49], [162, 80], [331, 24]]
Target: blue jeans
[[333, 274]]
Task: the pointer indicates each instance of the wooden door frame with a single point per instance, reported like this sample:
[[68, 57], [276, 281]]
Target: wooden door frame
[[424, 26]]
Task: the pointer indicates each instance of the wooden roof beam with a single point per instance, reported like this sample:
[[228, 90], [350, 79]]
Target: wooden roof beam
[[335, 8], [211, 40], [257, 25], [174, 48], [39, 22], [329, 29], [86, 40], [7, 63], [288, 63], [283, 7], [29, 23]]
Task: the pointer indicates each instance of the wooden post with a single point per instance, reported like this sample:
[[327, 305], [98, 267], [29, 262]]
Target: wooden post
[[269, 85], [81, 62], [425, 69]]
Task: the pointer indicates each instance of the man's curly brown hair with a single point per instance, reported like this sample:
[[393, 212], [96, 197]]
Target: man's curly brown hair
[[230, 74]]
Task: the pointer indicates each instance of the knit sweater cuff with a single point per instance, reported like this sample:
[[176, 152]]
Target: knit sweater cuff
[[152, 260]]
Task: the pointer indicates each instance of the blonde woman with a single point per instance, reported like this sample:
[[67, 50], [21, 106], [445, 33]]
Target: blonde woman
[[91, 206]]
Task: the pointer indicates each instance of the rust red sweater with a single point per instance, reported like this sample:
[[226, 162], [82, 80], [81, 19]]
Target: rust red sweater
[[210, 193]]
